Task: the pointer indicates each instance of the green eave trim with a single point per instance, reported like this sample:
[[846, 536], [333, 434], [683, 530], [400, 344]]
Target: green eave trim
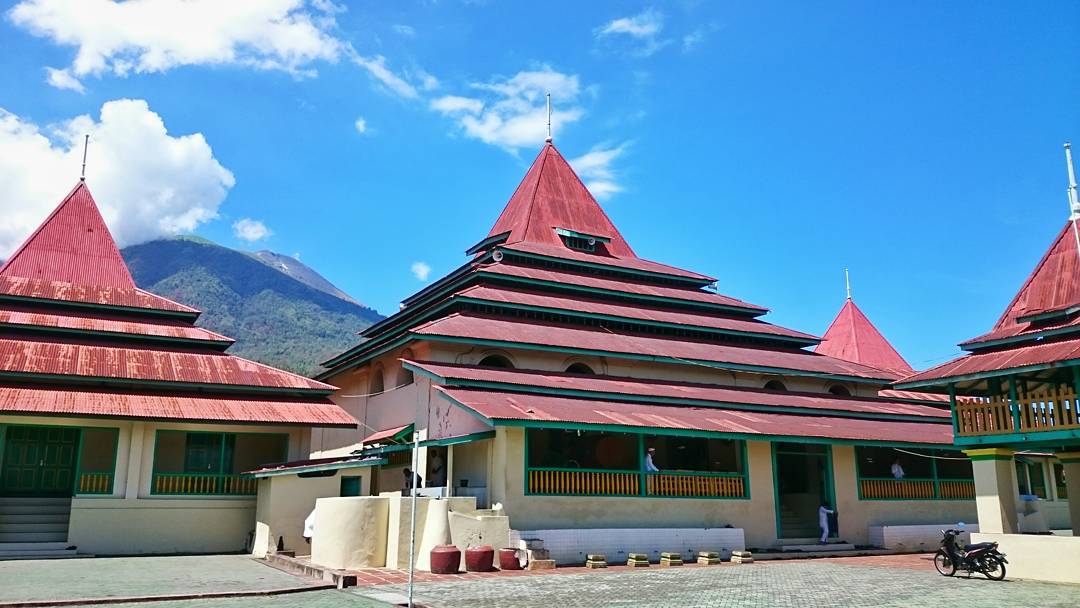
[[67, 331], [1021, 440], [315, 468], [156, 312], [990, 457], [1053, 314], [494, 239], [75, 381], [661, 400], [639, 430], [975, 347], [641, 357], [615, 269], [581, 235], [997, 373], [478, 436]]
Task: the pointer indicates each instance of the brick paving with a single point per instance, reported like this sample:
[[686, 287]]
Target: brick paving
[[876, 582]]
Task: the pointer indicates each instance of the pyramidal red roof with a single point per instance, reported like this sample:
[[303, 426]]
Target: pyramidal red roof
[[552, 196], [852, 337], [1053, 285], [73, 245]]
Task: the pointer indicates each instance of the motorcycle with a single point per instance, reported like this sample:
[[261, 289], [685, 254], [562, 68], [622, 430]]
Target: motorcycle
[[983, 558]]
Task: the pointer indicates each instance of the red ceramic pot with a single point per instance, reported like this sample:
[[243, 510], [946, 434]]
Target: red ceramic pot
[[479, 559], [508, 559], [445, 559]]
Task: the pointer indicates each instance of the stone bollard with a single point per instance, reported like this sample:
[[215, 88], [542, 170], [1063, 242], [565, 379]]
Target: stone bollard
[[742, 557], [637, 560], [669, 558], [538, 556], [595, 560], [708, 558]]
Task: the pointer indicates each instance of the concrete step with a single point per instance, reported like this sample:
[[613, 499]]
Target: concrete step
[[806, 540], [762, 556], [35, 518], [37, 526], [57, 554], [33, 500], [34, 537], [819, 548], [34, 509], [16, 547]]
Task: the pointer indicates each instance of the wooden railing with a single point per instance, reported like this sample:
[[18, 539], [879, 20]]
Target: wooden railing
[[599, 482], [203, 484], [881, 488], [94, 482], [1052, 409]]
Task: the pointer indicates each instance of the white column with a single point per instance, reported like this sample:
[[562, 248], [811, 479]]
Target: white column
[[449, 470], [134, 463], [1070, 464], [995, 489]]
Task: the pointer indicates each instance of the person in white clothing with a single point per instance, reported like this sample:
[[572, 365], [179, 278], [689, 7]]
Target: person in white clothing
[[309, 526], [823, 514], [650, 466], [897, 470]]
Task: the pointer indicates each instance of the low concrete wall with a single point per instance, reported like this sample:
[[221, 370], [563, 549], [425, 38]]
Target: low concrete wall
[[1049, 558], [915, 538], [284, 503], [350, 532], [117, 526], [570, 546]]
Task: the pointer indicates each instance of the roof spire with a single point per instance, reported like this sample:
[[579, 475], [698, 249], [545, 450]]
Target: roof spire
[[847, 283], [1074, 202], [86, 145], [548, 140]]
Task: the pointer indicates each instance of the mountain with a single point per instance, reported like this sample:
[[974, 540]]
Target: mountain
[[290, 317]]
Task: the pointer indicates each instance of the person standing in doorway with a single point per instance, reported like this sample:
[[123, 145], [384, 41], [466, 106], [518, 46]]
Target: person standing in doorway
[[823, 520], [437, 478], [650, 466], [897, 470]]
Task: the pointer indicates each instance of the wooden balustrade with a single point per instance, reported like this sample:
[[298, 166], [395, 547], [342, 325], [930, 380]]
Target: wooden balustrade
[[1051, 409], [959, 489], [592, 482], [195, 484], [916, 489], [94, 483]]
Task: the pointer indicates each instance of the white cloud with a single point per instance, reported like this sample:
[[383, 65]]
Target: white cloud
[[62, 79], [420, 270], [644, 28], [512, 112], [693, 39], [144, 36], [361, 125], [250, 230], [405, 30], [147, 182], [594, 168], [376, 66]]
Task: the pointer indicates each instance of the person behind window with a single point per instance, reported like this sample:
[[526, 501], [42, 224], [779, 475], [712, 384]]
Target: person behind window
[[897, 470], [438, 471], [650, 466]]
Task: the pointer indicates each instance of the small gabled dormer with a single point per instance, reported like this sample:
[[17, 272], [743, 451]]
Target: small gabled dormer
[[581, 241]]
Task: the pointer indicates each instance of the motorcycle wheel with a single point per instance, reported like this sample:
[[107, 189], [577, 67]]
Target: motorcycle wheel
[[995, 569], [944, 564]]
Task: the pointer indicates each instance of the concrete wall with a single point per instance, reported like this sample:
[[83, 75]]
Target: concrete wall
[[350, 532], [569, 547], [284, 502], [1043, 558]]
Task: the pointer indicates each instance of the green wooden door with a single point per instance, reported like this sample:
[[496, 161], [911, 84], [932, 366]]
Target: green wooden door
[[39, 461]]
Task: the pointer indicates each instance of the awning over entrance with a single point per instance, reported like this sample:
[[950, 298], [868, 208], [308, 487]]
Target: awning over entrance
[[545, 411], [316, 465], [396, 434]]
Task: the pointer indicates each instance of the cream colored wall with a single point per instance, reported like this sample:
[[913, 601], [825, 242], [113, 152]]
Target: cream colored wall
[[856, 516], [1038, 557], [284, 502], [350, 532]]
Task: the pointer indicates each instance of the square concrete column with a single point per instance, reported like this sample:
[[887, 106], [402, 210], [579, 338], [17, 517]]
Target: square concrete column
[[995, 489], [1070, 463]]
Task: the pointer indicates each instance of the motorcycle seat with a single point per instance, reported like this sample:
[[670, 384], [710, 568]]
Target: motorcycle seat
[[977, 546]]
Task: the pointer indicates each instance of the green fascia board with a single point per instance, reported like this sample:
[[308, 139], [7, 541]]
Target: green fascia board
[[69, 380], [154, 312], [998, 373], [616, 270], [660, 400], [1021, 440], [316, 468], [1054, 314], [215, 344], [581, 235], [441, 285], [644, 430], [1030, 337], [403, 434], [655, 358], [494, 239], [643, 322], [478, 436]]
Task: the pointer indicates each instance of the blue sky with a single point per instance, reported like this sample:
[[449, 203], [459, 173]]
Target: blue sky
[[767, 144]]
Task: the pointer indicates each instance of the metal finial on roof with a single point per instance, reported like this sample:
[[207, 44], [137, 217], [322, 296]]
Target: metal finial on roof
[[86, 144], [1074, 201], [847, 282], [549, 118]]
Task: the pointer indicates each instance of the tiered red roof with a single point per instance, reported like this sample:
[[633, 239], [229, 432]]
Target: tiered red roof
[[1039, 329], [554, 274], [77, 337], [852, 337]]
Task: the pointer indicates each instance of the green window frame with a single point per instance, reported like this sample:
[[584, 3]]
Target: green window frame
[[209, 460], [635, 482], [1031, 478], [1061, 491], [931, 485]]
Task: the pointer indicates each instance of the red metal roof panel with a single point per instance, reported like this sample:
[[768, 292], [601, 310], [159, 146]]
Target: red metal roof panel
[[500, 406], [525, 333], [162, 328], [1042, 353], [677, 390], [1053, 285], [72, 245], [37, 401], [618, 309], [93, 361], [384, 434], [852, 337], [40, 289], [631, 263]]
